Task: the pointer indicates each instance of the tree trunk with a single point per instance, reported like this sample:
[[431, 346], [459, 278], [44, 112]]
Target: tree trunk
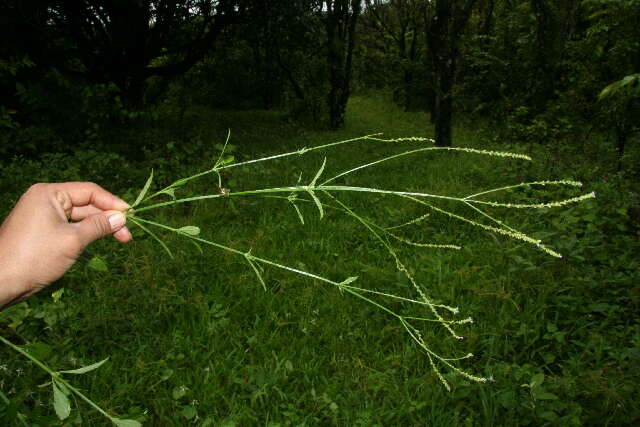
[[341, 18], [444, 29], [486, 17], [443, 111], [621, 141]]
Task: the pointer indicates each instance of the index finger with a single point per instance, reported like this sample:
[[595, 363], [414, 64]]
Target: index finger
[[89, 193]]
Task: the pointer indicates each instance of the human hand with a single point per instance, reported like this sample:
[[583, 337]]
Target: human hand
[[38, 243]]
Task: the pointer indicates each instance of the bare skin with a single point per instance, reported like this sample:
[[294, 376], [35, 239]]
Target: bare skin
[[48, 229]]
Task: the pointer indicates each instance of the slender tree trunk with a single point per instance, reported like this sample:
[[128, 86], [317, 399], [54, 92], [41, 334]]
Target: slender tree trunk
[[444, 29], [341, 19], [486, 19], [443, 108], [621, 142], [442, 54]]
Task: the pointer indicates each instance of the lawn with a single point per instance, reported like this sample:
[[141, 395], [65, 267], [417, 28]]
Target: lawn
[[197, 340]]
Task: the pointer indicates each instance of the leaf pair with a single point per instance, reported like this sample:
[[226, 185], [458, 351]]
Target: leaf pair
[[62, 391]]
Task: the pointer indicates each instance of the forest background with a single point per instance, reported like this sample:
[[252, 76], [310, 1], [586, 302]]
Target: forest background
[[106, 90]]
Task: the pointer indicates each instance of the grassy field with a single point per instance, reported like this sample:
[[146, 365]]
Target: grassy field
[[197, 341]]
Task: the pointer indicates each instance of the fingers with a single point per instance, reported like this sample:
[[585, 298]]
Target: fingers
[[88, 193], [78, 213], [123, 235], [100, 225]]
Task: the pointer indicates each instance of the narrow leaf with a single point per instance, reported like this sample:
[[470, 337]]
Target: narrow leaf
[[190, 230], [264, 285], [628, 79], [313, 183], [227, 160], [169, 192], [144, 190], [85, 369], [349, 280], [125, 423], [64, 389], [145, 229], [60, 403], [606, 92], [222, 150], [299, 213], [197, 245], [317, 202]]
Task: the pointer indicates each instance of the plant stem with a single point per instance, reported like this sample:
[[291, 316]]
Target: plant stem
[[56, 376]]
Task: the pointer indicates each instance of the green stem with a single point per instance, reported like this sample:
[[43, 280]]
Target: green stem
[[297, 189], [299, 151], [56, 376], [27, 355]]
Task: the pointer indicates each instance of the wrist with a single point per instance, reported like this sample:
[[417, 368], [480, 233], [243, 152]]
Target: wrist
[[13, 289]]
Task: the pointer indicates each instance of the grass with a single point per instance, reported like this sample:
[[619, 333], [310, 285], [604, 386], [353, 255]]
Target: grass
[[198, 340]]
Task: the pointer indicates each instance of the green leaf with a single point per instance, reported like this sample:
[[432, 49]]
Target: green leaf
[[144, 190], [313, 182], [606, 91], [57, 295], [255, 269], [298, 211], [197, 245], [629, 79], [60, 402], [317, 202], [227, 160], [98, 264], [169, 192], [125, 423], [85, 369], [145, 229], [38, 350], [189, 412], [536, 380], [166, 374], [349, 280], [190, 230], [63, 388], [179, 392], [545, 395]]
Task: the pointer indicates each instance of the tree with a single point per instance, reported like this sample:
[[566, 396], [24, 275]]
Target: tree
[[445, 21], [122, 41], [340, 18], [282, 34], [399, 21]]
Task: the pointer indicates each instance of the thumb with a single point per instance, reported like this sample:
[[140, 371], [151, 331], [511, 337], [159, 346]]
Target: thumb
[[97, 226]]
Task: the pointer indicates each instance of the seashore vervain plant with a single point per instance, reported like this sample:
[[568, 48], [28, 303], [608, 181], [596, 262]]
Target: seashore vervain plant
[[325, 195]]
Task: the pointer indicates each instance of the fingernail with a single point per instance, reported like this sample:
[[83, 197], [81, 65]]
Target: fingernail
[[117, 220]]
